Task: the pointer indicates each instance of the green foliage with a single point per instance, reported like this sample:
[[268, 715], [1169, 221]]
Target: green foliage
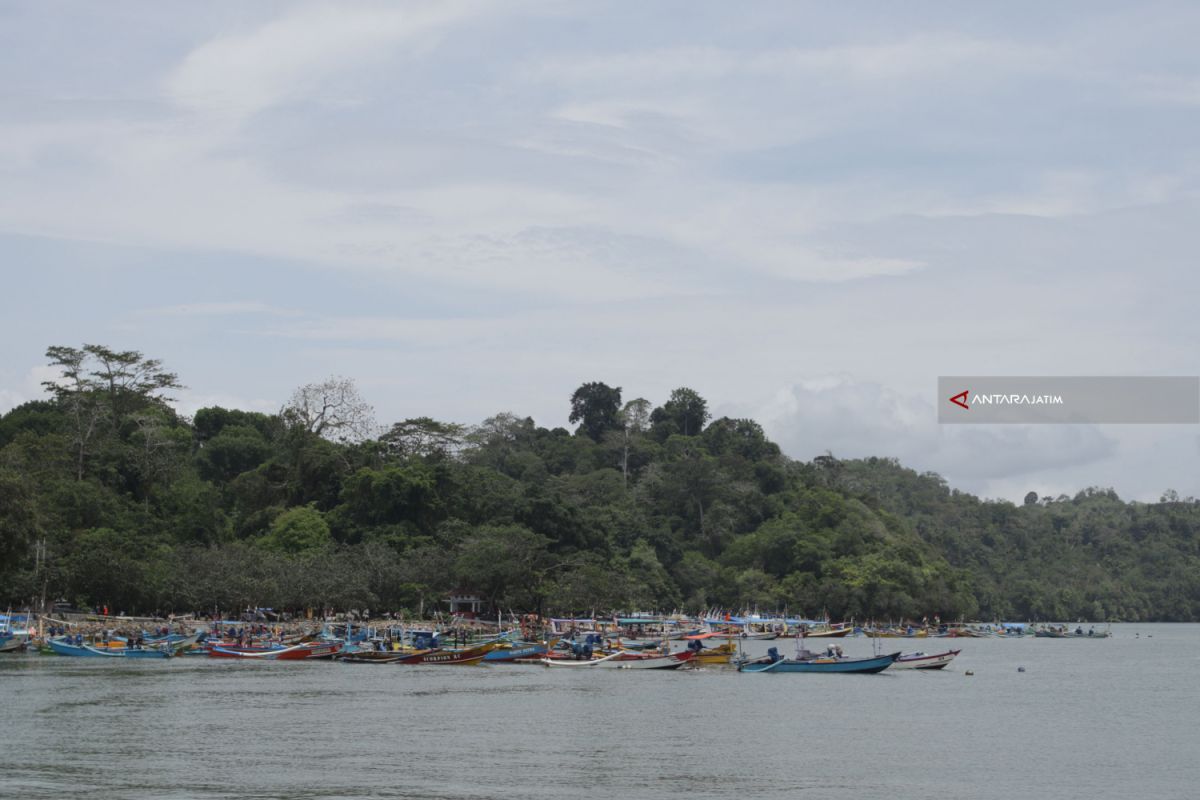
[[107, 496], [298, 530], [596, 407], [684, 414], [19, 524]]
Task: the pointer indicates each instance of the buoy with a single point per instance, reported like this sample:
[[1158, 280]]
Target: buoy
[[1020, 669], [969, 672]]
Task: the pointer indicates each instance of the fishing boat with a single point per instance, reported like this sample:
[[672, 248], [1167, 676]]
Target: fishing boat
[[712, 656], [925, 661], [764, 636], [832, 660], [578, 663], [833, 632], [11, 643], [646, 661], [384, 657], [625, 660], [459, 657], [15, 639], [821, 664], [64, 648], [296, 652], [519, 651]]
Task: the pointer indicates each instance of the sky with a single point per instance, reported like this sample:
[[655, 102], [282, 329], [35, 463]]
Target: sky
[[806, 212]]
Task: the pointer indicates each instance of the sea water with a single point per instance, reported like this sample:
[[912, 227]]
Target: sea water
[[1111, 718]]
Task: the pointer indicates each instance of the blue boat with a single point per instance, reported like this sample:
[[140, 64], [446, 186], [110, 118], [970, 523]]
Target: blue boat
[[65, 648], [516, 651], [774, 663]]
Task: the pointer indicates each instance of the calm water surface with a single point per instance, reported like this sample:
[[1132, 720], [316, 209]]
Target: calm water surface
[[1087, 719]]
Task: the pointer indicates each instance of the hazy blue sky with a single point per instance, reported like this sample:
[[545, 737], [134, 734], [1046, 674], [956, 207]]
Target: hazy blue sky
[[805, 212]]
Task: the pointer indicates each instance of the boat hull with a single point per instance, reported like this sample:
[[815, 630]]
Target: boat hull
[[65, 649], [923, 661], [514, 654], [673, 661], [12, 644], [465, 657], [844, 666], [298, 652]]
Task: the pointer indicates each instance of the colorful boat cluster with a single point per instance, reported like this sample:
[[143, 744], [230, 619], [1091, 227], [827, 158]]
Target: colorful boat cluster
[[641, 643]]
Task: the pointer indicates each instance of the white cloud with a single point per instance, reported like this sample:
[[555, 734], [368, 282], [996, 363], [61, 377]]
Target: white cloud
[[240, 74], [855, 419], [27, 387]]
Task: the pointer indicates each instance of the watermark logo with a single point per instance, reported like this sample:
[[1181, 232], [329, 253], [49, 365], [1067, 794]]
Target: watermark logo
[[964, 399], [1069, 399]]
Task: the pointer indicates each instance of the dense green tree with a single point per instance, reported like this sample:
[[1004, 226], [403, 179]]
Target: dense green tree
[[298, 530], [597, 408], [19, 523], [685, 414], [424, 437], [505, 565]]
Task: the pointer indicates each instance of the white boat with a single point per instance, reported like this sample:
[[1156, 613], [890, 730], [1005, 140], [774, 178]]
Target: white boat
[[925, 660], [638, 661], [626, 660], [567, 662]]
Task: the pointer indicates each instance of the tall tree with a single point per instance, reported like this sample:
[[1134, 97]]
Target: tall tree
[[634, 418], [596, 407], [684, 413], [76, 394], [99, 385], [129, 379], [333, 409], [424, 437]]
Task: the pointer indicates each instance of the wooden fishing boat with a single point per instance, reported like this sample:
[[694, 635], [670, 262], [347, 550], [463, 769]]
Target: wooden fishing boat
[[64, 648], [464, 656], [507, 655], [860, 666], [570, 662], [297, 652], [626, 660], [384, 657], [721, 654], [640, 661], [925, 661], [12, 644], [832, 632]]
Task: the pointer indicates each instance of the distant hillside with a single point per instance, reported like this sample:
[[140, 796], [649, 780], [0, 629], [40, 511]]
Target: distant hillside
[[108, 497]]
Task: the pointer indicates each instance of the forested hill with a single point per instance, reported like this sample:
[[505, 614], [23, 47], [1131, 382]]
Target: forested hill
[[109, 497]]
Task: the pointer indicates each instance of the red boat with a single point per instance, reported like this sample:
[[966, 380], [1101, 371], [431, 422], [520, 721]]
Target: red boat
[[297, 652]]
